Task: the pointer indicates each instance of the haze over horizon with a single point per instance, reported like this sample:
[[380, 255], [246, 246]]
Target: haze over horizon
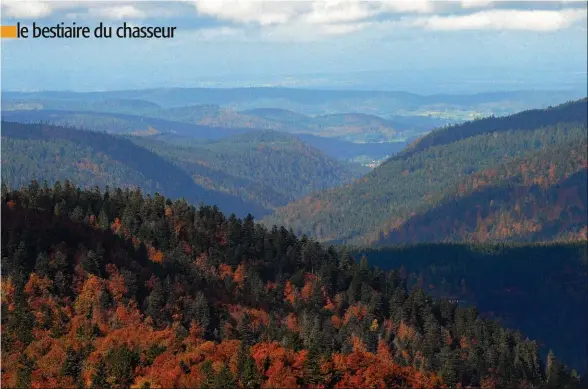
[[424, 47]]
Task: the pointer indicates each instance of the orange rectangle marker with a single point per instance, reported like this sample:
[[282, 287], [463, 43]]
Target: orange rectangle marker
[[8, 32]]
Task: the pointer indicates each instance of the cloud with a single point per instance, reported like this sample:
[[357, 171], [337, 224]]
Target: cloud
[[26, 9], [325, 12], [336, 17], [333, 12], [414, 6], [119, 12], [475, 3], [277, 19], [535, 20], [262, 12], [102, 9]]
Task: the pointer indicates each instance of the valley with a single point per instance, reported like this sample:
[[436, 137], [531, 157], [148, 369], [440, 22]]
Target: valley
[[466, 182], [407, 242], [263, 194]]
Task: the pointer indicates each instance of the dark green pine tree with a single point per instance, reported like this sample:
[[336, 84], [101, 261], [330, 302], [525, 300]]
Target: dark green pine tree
[[42, 265], [209, 376], [23, 377], [243, 327], [103, 221], [312, 369], [90, 263], [72, 366], [241, 359], [225, 379], [156, 302], [99, 379], [251, 378], [449, 367], [121, 365]]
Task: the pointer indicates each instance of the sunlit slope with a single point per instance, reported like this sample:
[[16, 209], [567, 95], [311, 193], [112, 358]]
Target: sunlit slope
[[440, 167]]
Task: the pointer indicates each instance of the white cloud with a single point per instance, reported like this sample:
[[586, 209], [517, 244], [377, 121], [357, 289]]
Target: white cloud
[[329, 12], [26, 9], [475, 3], [262, 11], [348, 16], [279, 18], [102, 9], [118, 12], [414, 6], [535, 20], [325, 12]]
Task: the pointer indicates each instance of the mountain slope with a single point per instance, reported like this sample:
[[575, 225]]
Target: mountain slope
[[145, 292], [542, 196], [267, 167], [535, 288], [196, 119], [181, 127], [42, 152], [571, 112], [253, 173], [422, 177], [120, 123]]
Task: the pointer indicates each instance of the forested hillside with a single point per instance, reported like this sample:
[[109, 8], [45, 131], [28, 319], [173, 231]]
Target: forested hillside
[[539, 289], [338, 140], [518, 178], [198, 118], [539, 197], [115, 289], [121, 124], [50, 153], [267, 167], [571, 112], [241, 174]]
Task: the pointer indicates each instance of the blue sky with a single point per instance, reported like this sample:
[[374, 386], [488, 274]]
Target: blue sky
[[419, 46]]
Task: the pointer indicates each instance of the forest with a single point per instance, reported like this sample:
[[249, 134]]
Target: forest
[[176, 131], [125, 118], [117, 289], [243, 173], [538, 288], [493, 179]]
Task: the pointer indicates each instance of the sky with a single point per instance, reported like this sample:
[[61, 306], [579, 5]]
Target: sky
[[418, 46]]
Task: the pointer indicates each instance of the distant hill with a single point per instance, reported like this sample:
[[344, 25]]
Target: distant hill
[[52, 153], [254, 173], [268, 167], [571, 112], [312, 101], [120, 123], [130, 117], [541, 196], [278, 114], [336, 135], [407, 114], [518, 178]]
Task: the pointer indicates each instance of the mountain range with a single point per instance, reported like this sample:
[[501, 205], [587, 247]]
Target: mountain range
[[417, 273], [252, 173], [516, 178]]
